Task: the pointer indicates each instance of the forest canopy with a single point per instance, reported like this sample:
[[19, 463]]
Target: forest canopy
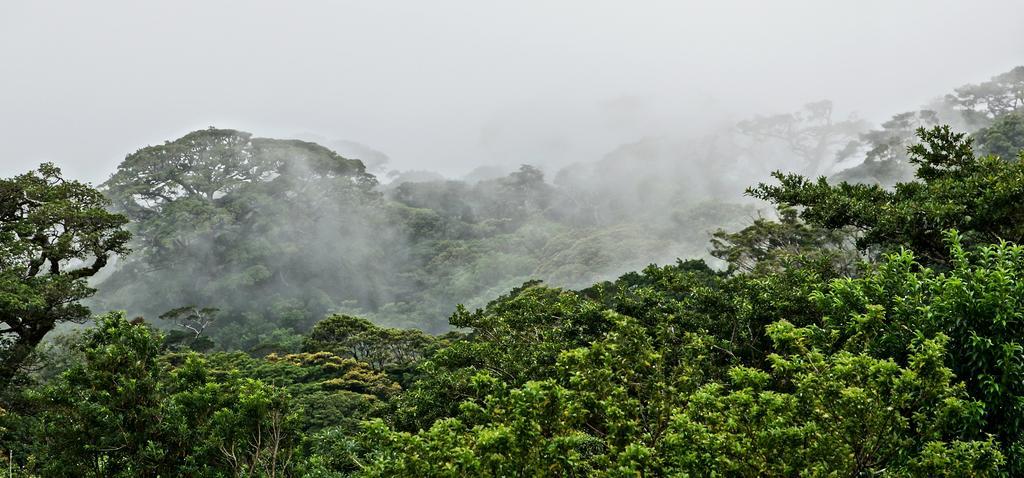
[[267, 307]]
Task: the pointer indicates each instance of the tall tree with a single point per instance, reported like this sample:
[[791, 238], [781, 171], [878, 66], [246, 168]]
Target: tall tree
[[274, 233], [54, 234], [212, 162], [953, 189], [812, 134], [885, 150], [188, 177], [1003, 138], [982, 103]]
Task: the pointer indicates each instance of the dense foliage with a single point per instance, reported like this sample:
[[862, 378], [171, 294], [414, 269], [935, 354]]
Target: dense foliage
[[867, 329], [276, 234], [978, 196], [54, 233]]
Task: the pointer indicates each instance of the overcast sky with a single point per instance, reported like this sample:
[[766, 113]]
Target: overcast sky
[[450, 85]]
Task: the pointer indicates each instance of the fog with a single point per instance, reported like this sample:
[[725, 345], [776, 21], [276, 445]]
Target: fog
[[453, 85]]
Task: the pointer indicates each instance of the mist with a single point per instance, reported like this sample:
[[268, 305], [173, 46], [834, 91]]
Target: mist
[[452, 86], [466, 238], [567, 143]]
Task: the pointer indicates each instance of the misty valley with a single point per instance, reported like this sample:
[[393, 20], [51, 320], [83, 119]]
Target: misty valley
[[794, 293]]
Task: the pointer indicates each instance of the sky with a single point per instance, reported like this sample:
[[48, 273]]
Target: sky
[[452, 85]]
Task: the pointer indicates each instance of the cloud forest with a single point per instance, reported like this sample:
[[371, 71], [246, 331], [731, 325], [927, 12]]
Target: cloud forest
[[800, 292]]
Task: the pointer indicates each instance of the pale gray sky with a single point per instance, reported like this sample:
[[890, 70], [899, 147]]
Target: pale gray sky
[[449, 85]]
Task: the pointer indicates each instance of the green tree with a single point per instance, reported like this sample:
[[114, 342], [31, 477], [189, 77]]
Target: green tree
[[194, 320], [833, 415], [954, 189], [211, 163], [767, 245], [627, 405], [982, 103], [102, 415], [1003, 138], [976, 303], [125, 411], [54, 234], [327, 391], [886, 161], [358, 338], [274, 233], [517, 338]]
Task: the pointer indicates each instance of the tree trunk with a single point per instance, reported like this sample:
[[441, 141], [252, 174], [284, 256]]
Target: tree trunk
[[18, 354]]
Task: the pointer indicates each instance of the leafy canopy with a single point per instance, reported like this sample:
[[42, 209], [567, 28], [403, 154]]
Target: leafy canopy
[[54, 234]]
